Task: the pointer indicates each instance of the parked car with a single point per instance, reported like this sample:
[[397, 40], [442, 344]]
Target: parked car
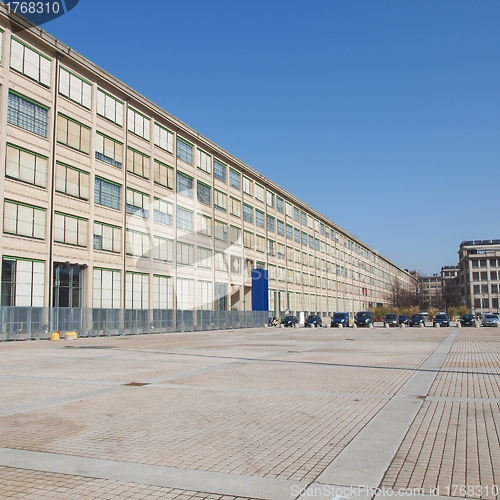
[[391, 319], [490, 319], [313, 320], [417, 320], [441, 319], [340, 318], [290, 321], [404, 320], [364, 318], [467, 320]]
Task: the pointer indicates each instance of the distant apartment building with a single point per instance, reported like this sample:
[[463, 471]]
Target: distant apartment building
[[450, 286], [431, 291], [108, 201], [479, 271]]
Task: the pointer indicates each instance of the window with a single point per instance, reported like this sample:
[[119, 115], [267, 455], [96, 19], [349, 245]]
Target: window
[[164, 175], [136, 291], [475, 263], [304, 238], [494, 288], [303, 218], [484, 289], [289, 232], [288, 209], [271, 272], [73, 134], [138, 163], [108, 150], [163, 212], [23, 282], [26, 166], [270, 247], [27, 114], [493, 275], [483, 263], [296, 235], [234, 235], [184, 150], [204, 161], [184, 219], [311, 241], [247, 186], [109, 107], [204, 225], [107, 238], [234, 179], [281, 250], [70, 230], [107, 193], [137, 243], [203, 193], [247, 239], [281, 274], [221, 262], [270, 223], [289, 253], [321, 228], [270, 199], [163, 292], [163, 249], [30, 62], [279, 204], [184, 184], [204, 257], [164, 139], [185, 294], [260, 243], [137, 203], [185, 254], [205, 296], [259, 218], [280, 227], [220, 232], [139, 124], [247, 213], [235, 207], [219, 170], [72, 181], [259, 192], [220, 303], [106, 288], [220, 200], [24, 220], [75, 88]]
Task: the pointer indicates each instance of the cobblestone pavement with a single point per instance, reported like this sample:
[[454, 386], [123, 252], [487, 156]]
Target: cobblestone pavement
[[265, 413]]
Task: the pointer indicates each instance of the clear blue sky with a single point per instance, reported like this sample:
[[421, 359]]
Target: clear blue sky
[[382, 115]]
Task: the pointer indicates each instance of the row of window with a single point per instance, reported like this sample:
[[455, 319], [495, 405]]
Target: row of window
[[486, 303], [483, 276], [485, 289], [484, 262]]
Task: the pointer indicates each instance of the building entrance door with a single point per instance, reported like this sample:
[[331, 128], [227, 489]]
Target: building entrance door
[[67, 286]]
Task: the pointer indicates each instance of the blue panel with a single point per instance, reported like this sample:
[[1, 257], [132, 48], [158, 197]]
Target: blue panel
[[260, 290]]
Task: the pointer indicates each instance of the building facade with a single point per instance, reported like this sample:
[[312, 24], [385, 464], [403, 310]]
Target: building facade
[[108, 201], [431, 292], [479, 271]]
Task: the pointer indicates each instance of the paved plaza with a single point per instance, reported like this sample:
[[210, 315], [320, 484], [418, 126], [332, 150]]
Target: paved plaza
[[267, 413]]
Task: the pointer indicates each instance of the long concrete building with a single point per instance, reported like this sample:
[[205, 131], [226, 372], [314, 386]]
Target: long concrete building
[[108, 201]]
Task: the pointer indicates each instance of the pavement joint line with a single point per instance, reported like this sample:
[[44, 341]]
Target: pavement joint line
[[356, 395], [367, 457], [153, 475], [13, 410]]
